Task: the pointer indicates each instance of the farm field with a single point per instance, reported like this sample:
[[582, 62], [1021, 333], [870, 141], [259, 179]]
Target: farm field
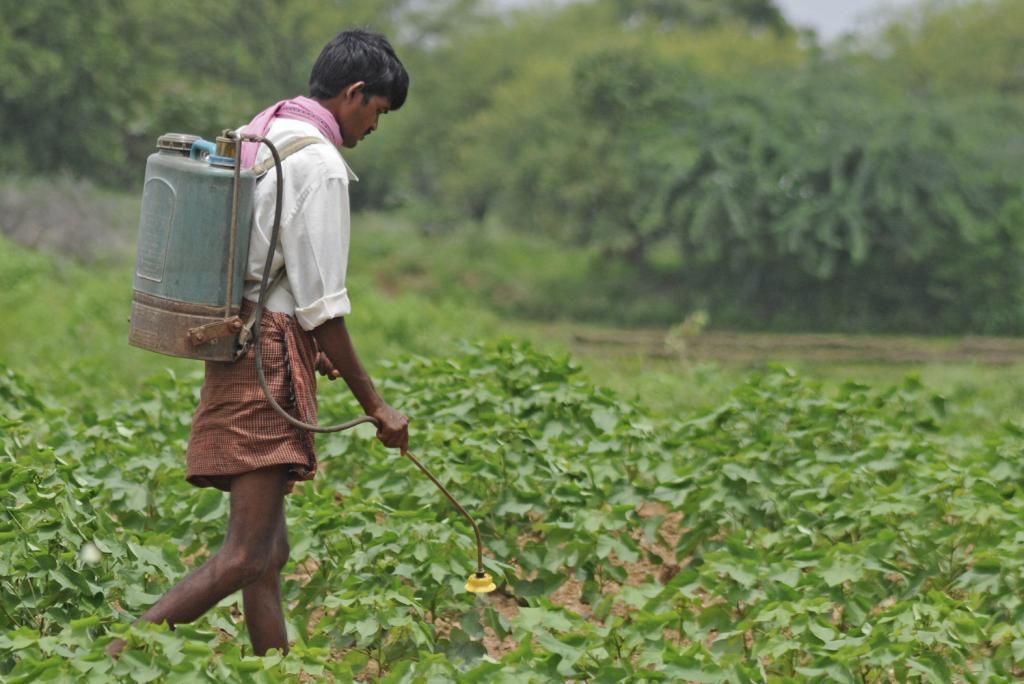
[[647, 519], [713, 321]]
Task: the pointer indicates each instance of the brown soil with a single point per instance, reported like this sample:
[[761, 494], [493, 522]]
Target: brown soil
[[498, 647], [570, 594]]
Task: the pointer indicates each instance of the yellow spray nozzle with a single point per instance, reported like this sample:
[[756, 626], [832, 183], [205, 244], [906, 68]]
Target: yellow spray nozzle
[[480, 583]]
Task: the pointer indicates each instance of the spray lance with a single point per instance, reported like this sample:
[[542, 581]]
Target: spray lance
[[170, 318]]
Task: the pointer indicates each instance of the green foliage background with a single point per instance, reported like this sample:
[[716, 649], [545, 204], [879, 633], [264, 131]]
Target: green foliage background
[[704, 155]]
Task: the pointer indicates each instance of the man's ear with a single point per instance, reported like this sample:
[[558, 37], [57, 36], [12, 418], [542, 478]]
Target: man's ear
[[354, 90]]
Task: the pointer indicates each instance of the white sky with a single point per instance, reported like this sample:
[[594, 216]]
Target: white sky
[[831, 18]]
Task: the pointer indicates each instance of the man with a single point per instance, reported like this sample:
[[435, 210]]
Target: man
[[238, 443]]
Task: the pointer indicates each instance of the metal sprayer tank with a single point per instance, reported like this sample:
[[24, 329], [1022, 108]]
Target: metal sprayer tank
[[191, 259]]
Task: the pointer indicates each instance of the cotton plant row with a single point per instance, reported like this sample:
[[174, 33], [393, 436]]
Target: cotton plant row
[[797, 535]]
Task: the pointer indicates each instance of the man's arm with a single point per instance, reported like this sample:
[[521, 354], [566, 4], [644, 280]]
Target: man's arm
[[335, 343]]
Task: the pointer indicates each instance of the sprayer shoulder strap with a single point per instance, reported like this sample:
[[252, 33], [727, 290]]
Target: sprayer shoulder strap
[[285, 151]]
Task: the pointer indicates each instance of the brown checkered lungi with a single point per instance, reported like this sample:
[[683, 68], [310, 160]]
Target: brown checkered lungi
[[235, 430]]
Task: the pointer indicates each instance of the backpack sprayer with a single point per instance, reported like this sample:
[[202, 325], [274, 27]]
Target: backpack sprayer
[[191, 262]]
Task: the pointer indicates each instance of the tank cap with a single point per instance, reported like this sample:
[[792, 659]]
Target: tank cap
[[176, 142]]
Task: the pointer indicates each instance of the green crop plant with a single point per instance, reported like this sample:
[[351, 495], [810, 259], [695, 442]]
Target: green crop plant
[[788, 534]]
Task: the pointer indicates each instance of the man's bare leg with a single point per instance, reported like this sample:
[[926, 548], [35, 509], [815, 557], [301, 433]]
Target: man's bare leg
[[257, 509], [261, 600]]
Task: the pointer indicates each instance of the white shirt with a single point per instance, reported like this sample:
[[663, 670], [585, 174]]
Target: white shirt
[[315, 226]]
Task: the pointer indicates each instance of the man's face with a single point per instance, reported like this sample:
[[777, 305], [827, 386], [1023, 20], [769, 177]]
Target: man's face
[[358, 119]]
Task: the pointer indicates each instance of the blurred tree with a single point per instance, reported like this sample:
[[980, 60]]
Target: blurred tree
[[221, 63], [511, 113], [809, 197], [698, 147], [704, 13], [73, 78], [773, 190], [89, 86], [957, 49]]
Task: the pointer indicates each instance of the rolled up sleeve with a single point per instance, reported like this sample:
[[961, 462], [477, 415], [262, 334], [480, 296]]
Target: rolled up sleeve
[[315, 251]]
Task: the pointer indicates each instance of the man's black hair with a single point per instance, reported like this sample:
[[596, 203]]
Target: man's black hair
[[359, 55]]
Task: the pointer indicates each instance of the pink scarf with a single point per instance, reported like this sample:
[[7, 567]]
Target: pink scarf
[[301, 108]]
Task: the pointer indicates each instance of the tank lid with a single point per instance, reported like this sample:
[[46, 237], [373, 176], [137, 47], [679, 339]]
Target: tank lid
[[178, 142]]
